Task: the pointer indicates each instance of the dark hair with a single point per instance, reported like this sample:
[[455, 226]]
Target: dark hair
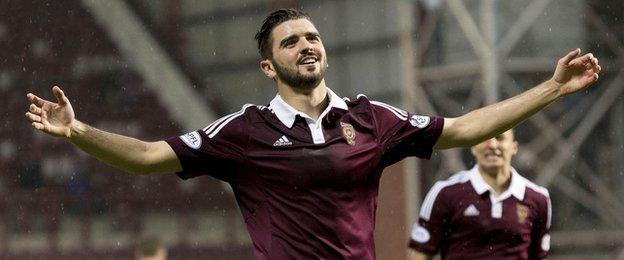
[[263, 36]]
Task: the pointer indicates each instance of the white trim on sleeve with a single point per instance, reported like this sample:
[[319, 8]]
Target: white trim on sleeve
[[427, 206], [401, 114], [214, 128]]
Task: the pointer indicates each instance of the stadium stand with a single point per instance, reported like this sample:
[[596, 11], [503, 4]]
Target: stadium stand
[[58, 203]]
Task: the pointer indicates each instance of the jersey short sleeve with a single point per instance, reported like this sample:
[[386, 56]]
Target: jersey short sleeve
[[404, 134], [215, 150], [540, 234], [427, 234]]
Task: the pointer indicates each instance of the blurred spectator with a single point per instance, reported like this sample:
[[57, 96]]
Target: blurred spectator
[[7, 150], [58, 169], [150, 248], [29, 173], [78, 189]]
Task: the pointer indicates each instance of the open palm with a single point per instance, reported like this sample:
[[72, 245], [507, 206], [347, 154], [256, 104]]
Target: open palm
[[51, 118], [574, 73]]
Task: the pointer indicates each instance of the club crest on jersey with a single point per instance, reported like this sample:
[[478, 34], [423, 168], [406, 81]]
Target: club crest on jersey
[[192, 139], [523, 212], [348, 133], [419, 121]]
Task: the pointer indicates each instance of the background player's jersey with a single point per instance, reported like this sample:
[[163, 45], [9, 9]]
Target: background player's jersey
[[306, 188], [462, 219]]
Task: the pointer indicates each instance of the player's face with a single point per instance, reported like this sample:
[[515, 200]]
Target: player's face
[[298, 54], [496, 152]]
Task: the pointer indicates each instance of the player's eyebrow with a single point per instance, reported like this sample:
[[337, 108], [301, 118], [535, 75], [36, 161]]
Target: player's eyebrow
[[294, 36], [314, 34]]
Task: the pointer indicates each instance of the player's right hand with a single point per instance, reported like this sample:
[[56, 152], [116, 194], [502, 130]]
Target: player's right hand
[[51, 118]]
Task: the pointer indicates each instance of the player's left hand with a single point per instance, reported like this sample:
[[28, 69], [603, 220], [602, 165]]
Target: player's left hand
[[574, 73]]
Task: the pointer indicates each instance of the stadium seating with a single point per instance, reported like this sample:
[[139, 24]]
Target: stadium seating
[[56, 201]]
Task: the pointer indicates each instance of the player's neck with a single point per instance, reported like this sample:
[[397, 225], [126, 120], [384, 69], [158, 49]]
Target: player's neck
[[498, 178], [311, 102]]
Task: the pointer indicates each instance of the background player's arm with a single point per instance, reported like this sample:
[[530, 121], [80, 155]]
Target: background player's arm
[[572, 74], [133, 155], [432, 228], [540, 237], [417, 255]]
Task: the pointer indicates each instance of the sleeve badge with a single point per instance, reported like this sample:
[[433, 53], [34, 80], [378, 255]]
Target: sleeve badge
[[192, 139], [419, 121]]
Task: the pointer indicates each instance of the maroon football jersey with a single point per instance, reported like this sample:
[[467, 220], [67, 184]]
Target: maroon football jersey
[[306, 188], [463, 219]]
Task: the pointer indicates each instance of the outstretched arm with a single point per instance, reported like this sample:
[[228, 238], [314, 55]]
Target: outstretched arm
[[133, 155], [573, 73]]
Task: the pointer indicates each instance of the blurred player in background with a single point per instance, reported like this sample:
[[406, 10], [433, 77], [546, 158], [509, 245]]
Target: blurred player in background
[[487, 212], [305, 169]]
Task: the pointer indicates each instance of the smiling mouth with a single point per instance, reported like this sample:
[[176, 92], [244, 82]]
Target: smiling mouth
[[310, 60], [493, 155]]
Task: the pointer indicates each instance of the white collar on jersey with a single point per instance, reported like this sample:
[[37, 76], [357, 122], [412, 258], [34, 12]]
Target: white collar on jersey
[[516, 187], [287, 114]]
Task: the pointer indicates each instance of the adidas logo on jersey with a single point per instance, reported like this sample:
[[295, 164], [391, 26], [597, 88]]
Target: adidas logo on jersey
[[283, 141], [471, 211]]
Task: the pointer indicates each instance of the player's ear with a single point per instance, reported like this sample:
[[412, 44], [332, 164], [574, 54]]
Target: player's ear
[[472, 151], [514, 147], [267, 68]]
